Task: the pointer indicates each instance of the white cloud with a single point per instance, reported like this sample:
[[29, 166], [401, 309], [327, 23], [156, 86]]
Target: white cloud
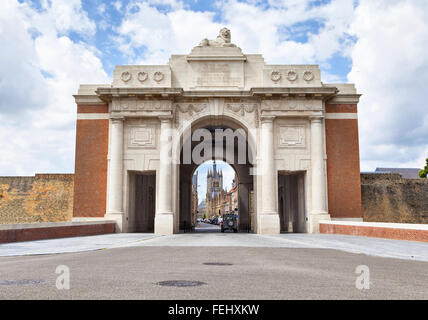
[[41, 65], [60, 16], [117, 5], [390, 69], [161, 33], [41, 68], [254, 28]]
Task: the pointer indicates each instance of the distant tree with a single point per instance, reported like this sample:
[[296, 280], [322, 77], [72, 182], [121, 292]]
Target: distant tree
[[204, 216], [423, 173]]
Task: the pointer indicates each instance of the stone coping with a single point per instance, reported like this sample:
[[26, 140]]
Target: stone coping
[[409, 226], [37, 225]]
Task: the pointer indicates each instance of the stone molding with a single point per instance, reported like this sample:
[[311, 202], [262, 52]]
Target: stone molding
[[93, 116], [291, 105], [345, 99], [341, 116], [87, 99], [191, 107], [292, 136], [132, 104], [141, 136]]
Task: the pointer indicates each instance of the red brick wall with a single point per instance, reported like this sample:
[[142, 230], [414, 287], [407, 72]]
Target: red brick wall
[[343, 163], [376, 232], [92, 109], [90, 184], [30, 234]]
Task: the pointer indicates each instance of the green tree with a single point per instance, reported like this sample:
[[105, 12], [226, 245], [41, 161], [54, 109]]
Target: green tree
[[204, 216], [423, 173]]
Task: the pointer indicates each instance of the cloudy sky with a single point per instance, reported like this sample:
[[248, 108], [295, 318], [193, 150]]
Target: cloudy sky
[[49, 47]]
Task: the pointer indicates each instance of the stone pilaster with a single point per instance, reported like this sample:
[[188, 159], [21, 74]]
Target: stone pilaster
[[115, 203], [318, 182], [164, 220], [268, 220]]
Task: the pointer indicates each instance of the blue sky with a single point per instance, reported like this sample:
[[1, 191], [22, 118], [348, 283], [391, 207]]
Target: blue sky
[[49, 47]]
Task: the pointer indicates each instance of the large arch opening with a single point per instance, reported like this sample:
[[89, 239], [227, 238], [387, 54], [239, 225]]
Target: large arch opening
[[215, 188], [217, 140]]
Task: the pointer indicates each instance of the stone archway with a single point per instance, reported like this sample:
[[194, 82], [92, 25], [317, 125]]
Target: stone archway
[[218, 151]]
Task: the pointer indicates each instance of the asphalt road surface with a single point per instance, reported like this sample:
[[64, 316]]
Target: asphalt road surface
[[207, 227], [251, 273]]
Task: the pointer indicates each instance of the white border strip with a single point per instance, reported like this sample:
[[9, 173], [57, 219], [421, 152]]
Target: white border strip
[[409, 226], [341, 115], [92, 116]]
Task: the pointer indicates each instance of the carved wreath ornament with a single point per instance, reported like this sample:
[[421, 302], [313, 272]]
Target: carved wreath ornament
[[308, 76], [237, 107], [190, 108], [142, 76], [292, 75], [126, 76], [275, 76], [158, 76]]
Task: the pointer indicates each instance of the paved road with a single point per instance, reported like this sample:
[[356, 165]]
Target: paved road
[[207, 227], [409, 250], [289, 266], [254, 273]]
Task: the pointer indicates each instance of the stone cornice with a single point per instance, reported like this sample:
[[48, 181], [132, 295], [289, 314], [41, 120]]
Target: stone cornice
[[82, 99], [107, 94], [344, 99], [328, 94], [320, 92], [215, 58]]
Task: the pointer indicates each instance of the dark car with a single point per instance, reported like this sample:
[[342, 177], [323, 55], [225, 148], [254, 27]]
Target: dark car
[[229, 223]]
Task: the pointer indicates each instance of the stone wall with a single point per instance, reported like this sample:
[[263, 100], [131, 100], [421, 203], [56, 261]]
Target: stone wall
[[42, 198], [390, 198]]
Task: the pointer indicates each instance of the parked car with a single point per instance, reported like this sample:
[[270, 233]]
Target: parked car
[[229, 223]]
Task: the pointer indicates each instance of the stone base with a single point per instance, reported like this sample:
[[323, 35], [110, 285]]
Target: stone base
[[164, 224], [117, 217], [268, 224], [314, 221]]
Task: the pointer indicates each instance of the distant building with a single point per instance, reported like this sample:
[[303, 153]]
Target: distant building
[[216, 195], [220, 201], [195, 198], [232, 196], [407, 173], [202, 209]]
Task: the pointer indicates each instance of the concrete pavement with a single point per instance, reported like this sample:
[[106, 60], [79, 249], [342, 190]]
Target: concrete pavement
[[227, 265], [399, 249], [249, 273]]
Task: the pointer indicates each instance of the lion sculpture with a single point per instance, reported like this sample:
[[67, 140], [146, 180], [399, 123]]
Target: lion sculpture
[[222, 40]]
